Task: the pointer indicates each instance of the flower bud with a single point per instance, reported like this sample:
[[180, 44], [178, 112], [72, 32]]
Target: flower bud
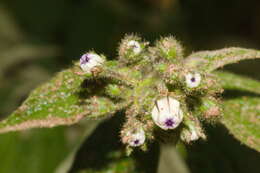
[[134, 46], [130, 49], [90, 60], [193, 80], [188, 135], [169, 48], [136, 138], [167, 113], [209, 109], [192, 131]]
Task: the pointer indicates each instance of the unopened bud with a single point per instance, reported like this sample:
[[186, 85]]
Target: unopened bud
[[169, 48], [134, 46], [131, 48], [210, 109], [192, 132]]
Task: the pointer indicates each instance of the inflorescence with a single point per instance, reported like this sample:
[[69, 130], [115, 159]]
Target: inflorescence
[[159, 91]]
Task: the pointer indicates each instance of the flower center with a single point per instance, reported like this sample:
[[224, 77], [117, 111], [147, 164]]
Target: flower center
[[169, 122], [133, 46], [85, 59], [193, 79], [136, 142]]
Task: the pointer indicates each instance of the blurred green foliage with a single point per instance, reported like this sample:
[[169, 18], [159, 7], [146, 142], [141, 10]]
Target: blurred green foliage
[[38, 38]]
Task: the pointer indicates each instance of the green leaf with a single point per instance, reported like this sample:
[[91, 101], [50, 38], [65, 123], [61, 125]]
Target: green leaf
[[117, 163], [85, 130], [242, 118], [10, 32], [221, 153], [63, 101], [41, 150], [170, 161], [103, 152], [241, 108], [232, 81], [211, 60]]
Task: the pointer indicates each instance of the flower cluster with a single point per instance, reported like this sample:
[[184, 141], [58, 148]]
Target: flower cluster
[[160, 93]]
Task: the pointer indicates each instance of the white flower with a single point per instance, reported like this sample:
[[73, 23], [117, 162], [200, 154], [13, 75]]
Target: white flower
[[90, 60], [135, 46], [192, 80], [167, 113], [136, 138], [192, 131], [194, 135], [189, 135]]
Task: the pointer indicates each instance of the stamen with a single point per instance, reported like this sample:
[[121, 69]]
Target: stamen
[[136, 142], [193, 79], [169, 122]]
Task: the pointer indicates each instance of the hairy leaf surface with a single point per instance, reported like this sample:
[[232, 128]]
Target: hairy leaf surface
[[41, 150], [232, 81], [211, 60], [242, 108], [65, 100], [242, 118]]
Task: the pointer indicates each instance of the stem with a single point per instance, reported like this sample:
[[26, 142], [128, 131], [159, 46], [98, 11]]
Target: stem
[[117, 77], [170, 160]]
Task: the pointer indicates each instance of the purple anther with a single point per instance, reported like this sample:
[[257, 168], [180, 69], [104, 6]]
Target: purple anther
[[84, 59], [169, 122], [136, 142]]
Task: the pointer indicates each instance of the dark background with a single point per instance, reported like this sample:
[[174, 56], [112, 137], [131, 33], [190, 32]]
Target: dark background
[[41, 37]]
